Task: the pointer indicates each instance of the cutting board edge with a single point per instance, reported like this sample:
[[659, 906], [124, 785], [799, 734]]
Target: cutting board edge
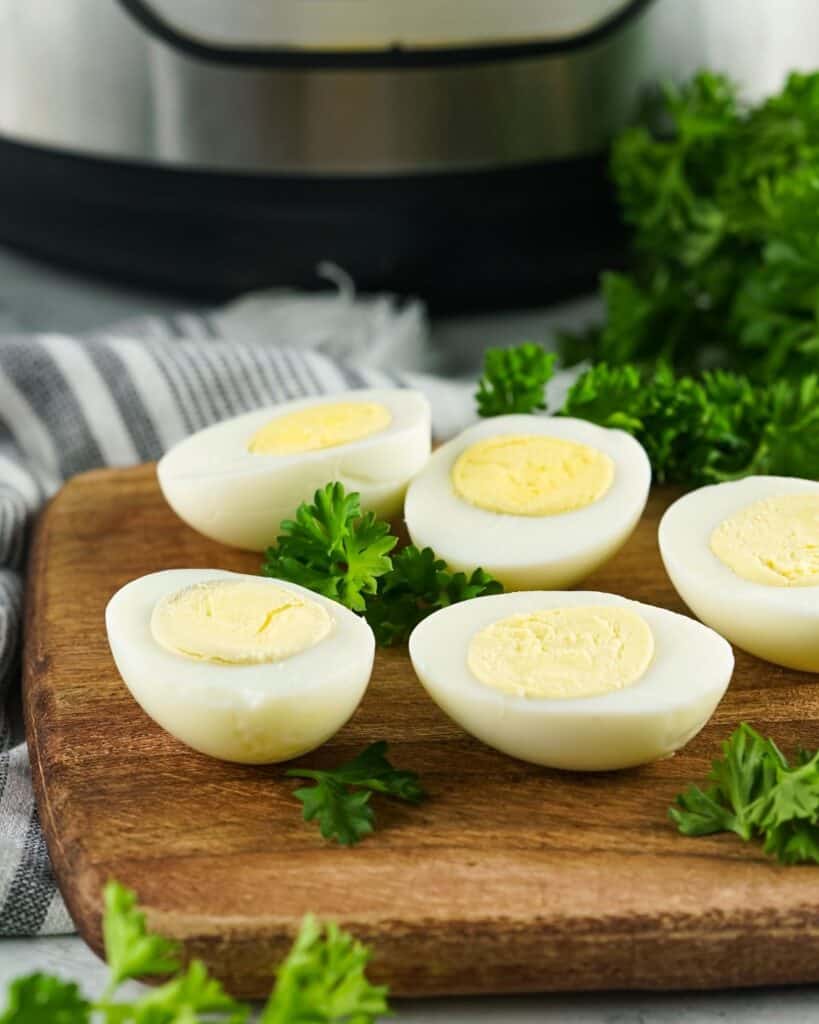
[[62, 862]]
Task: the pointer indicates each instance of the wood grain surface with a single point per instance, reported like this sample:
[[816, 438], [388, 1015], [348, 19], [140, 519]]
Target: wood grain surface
[[510, 878]]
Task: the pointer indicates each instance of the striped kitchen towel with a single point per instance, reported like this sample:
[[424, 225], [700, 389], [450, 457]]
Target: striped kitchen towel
[[69, 404]]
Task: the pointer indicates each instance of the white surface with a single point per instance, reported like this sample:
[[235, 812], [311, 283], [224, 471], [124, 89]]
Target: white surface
[[69, 956]]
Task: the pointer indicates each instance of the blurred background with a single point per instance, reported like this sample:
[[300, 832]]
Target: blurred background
[[187, 151]]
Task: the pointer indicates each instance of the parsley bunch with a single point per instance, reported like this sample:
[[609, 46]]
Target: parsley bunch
[[719, 426], [756, 793], [723, 202], [705, 429], [417, 585], [514, 379], [340, 799], [321, 981], [331, 548]]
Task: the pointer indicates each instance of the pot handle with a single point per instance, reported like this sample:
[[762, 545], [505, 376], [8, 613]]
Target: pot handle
[[395, 57]]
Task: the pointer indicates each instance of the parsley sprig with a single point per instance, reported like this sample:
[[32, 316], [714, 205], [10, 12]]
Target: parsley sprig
[[719, 426], [44, 999], [130, 949], [321, 981], [723, 201], [417, 585], [331, 548], [340, 798], [705, 429], [514, 379], [756, 793]]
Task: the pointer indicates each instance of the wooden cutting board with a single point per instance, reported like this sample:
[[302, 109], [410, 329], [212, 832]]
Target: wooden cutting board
[[511, 878]]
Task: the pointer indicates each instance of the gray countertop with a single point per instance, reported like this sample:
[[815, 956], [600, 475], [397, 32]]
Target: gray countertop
[[38, 297]]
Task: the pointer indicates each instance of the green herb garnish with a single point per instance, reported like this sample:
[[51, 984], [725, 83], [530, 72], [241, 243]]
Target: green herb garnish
[[706, 429], [723, 201], [709, 429], [757, 794], [130, 950], [321, 981], [331, 548], [417, 585], [44, 999], [514, 379], [340, 798]]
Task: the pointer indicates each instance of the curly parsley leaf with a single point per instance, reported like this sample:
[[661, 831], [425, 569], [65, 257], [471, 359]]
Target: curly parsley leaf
[[419, 584], [342, 815], [718, 426], [788, 424], [757, 794], [323, 981], [340, 798], [708, 428], [331, 548], [792, 795], [185, 998], [745, 772], [372, 768], [43, 999], [723, 201], [796, 842], [702, 812], [132, 951], [514, 379]]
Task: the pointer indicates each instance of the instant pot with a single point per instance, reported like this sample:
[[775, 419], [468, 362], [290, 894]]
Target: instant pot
[[455, 150]]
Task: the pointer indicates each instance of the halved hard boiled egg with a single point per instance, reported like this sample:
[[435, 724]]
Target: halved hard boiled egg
[[577, 680], [744, 556], [237, 480], [239, 667], [536, 501]]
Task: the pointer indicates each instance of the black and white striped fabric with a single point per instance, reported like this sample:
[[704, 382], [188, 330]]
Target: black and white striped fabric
[[70, 404]]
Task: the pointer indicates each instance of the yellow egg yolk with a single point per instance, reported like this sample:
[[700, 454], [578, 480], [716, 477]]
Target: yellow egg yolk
[[562, 652], [774, 541], [320, 426], [238, 622], [531, 475]]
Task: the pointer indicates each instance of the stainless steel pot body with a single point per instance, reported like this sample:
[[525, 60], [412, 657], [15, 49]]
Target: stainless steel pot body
[[93, 77], [216, 147]]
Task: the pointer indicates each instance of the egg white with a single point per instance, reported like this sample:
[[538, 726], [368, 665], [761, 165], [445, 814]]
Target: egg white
[[653, 717], [227, 493], [526, 552], [779, 624], [250, 713]]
